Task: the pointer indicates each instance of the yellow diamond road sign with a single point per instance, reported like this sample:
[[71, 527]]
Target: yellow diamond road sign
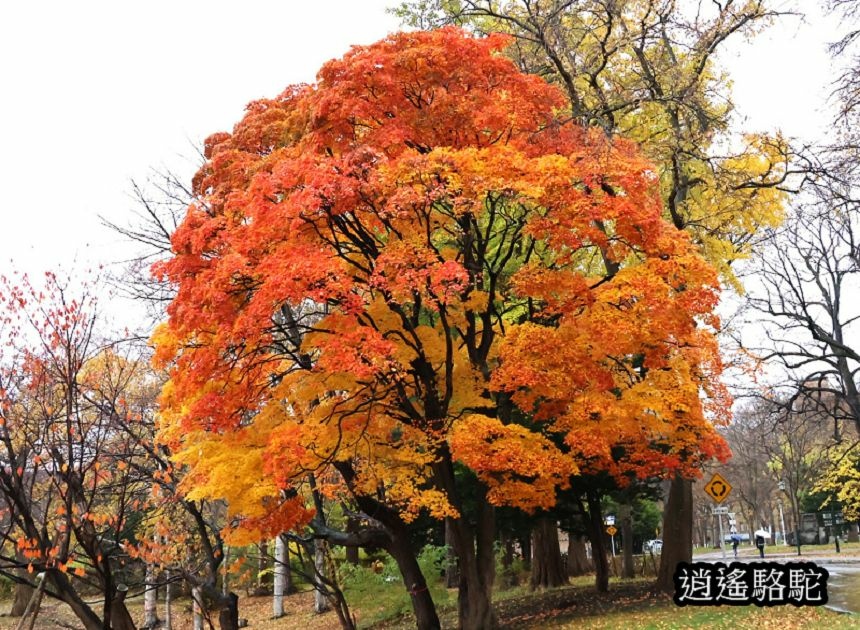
[[718, 488], [611, 530]]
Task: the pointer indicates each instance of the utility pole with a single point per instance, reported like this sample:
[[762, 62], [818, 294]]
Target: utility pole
[[718, 512], [782, 520]]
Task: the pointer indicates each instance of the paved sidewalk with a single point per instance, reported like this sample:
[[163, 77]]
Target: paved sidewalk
[[778, 556]]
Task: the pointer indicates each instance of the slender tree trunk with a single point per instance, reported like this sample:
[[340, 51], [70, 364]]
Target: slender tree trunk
[[526, 548], [598, 542], [401, 550], [352, 526], [677, 531], [282, 560], [547, 566], [399, 546], [289, 586], [225, 578], [264, 579], [197, 608], [168, 600], [452, 575], [510, 577], [507, 551], [321, 604], [628, 569], [797, 521], [150, 598], [38, 595]]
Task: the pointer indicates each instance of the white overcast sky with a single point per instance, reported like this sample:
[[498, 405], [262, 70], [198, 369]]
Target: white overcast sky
[[95, 94]]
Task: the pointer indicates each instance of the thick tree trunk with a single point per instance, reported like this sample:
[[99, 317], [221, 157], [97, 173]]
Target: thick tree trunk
[[577, 559], [228, 617], [32, 607], [598, 543], [475, 607], [485, 542], [209, 600], [628, 569], [282, 559], [120, 618], [423, 607], [853, 532], [23, 595], [474, 553], [474, 598], [547, 566], [86, 615], [23, 592], [677, 531]]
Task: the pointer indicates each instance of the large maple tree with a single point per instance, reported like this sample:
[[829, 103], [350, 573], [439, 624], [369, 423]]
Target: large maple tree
[[653, 71], [420, 260]]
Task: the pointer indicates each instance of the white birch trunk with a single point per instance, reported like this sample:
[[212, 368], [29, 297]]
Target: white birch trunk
[[282, 557], [150, 598], [168, 617], [320, 602], [225, 582], [197, 614]]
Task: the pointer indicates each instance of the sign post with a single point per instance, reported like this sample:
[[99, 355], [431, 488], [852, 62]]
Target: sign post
[[722, 538], [719, 489], [611, 530], [609, 519]]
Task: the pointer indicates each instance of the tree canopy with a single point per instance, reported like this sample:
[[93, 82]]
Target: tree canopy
[[420, 259]]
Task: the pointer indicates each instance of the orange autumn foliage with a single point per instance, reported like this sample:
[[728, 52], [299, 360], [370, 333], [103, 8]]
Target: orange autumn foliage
[[386, 263]]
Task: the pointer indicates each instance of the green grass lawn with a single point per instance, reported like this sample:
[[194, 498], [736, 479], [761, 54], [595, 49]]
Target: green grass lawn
[[631, 606], [664, 615], [628, 606]]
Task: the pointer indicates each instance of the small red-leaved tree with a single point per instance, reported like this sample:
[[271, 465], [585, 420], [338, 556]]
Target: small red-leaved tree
[[67, 490], [389, 270]]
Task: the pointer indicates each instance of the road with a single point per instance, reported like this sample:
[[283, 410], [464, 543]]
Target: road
[[843, 585]]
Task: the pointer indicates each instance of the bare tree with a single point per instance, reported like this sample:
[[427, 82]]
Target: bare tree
[[752, 477], [159, 206], [804, 300]]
